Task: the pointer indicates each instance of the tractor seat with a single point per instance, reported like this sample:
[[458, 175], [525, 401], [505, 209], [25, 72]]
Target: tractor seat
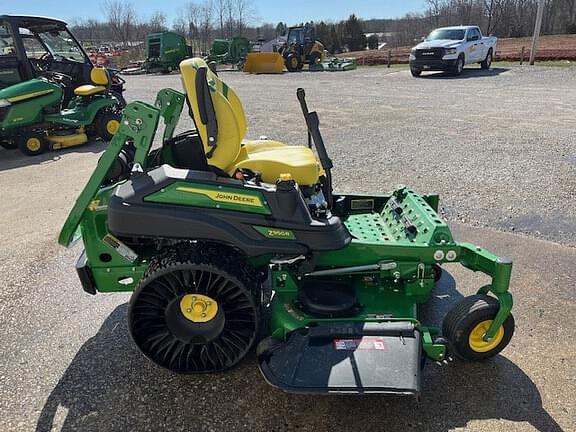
[[272, 158], [100, 82], [221, 124]]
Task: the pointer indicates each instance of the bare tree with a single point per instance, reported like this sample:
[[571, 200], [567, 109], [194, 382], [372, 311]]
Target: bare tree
[[244, 14], [206, 16], [157, 22], [122, 19], [221, 7], [434, 7]]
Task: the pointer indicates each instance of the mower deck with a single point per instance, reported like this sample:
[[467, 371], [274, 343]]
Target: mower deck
[[344, 358]]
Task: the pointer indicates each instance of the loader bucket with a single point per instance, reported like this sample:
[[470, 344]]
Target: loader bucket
[[264, 63]]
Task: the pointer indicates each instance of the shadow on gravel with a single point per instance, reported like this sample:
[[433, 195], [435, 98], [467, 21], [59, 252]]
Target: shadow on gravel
[[11, 159], [110, 386], [466, 73]]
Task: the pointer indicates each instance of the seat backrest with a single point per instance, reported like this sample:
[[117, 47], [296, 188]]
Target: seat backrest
[[230, 120], [99, 76]]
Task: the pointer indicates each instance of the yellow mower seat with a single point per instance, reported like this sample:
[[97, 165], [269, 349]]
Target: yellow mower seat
[[272, 158], [100, 81], [88, 90], [269, 158]]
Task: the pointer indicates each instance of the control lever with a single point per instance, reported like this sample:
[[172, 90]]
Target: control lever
[[313, 123]]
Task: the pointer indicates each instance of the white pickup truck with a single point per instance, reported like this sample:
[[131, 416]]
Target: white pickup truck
[[450, 48]]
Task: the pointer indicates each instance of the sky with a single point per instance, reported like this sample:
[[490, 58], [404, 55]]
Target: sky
[[290, 11]]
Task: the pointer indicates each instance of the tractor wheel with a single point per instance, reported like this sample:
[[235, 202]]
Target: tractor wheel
[[315, 57], [8, 144], [194, 310], [467, 322], [292, 63], [107, 124], [120, 98], [32, 143], [487, 62]]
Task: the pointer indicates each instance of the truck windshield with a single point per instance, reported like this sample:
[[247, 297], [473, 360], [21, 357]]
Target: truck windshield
[[62, 46], [446, 34]]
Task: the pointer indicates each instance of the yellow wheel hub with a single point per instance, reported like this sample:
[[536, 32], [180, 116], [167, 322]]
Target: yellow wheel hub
[[112, 126], [33, 144], [294, 62], [198, 308], [476, 338]]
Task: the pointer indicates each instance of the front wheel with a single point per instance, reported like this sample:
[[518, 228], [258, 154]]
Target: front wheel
[[487, 62], [107, 124], [292, 63], [468, 321], [415, 72], [459, 67], [32, 143]]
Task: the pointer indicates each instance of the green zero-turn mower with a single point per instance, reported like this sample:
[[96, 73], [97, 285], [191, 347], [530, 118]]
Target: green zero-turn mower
[[35, 115], [227, 244]]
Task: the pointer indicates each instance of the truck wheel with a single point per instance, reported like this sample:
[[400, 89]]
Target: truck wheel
[[107, 124], [32, 143], [415, 72], [487, 62], [465, 324], [459, 66]]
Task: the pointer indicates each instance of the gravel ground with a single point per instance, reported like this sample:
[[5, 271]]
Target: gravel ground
[[497, 146]]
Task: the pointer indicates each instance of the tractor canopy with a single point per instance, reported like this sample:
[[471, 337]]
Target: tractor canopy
[[31, 46]]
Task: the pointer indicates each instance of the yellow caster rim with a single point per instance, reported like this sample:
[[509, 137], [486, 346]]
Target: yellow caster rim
[[476, 341], [198, 308], [112, 126], [33, 144]]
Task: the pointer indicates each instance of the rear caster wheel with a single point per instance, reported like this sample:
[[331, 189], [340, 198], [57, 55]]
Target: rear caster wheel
[[467, 322], [32, 143], [194, 312], [107, 124]]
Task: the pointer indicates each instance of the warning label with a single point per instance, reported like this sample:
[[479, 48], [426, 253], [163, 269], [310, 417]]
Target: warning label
[[366, 343]]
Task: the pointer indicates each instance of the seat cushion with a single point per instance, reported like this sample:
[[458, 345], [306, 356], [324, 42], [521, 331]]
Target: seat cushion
[[88, 90], [272, 158]]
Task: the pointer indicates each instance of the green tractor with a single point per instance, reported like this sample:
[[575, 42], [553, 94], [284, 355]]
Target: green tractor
[[35, 117], [50, 93], [227, 244]]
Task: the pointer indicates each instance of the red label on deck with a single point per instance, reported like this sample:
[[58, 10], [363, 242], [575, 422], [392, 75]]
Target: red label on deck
[[368, 343]]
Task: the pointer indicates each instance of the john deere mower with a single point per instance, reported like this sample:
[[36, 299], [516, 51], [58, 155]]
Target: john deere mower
[[34, 115], [228, 244]]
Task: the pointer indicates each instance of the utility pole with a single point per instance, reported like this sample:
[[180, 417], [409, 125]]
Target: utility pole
[[536, 30]]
